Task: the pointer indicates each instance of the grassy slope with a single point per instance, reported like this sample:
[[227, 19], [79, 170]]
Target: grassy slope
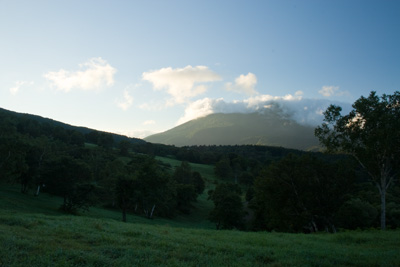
[[34, 233]]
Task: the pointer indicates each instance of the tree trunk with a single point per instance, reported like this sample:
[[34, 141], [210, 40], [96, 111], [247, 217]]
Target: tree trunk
[[383, 208], [152, 210], [64, 207], [37, 191], [124, 215]]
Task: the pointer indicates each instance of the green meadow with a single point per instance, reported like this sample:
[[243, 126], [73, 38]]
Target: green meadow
[[33, 232]]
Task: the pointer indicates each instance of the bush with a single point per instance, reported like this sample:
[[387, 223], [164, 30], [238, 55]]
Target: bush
[[356, 213]]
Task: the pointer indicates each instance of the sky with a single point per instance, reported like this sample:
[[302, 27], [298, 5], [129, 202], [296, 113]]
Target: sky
[[141, 67]]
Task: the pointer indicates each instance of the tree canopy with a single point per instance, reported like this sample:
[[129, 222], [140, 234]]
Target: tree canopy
[[370, 133]]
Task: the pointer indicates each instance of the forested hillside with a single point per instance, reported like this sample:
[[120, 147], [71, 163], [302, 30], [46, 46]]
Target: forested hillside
[[245, 187]]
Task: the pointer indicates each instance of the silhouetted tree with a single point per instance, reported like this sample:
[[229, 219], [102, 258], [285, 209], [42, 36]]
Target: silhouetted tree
[[301, 192], [371, 134], [71, 179], [228, 210]]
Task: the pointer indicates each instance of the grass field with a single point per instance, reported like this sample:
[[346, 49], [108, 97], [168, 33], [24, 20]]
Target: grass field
[[34, 233]]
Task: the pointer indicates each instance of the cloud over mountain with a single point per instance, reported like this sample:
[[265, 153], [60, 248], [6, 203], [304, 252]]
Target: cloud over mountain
[[304, 111]]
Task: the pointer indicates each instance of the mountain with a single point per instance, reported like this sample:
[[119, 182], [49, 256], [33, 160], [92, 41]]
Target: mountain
[[269, 128], [23, 118]]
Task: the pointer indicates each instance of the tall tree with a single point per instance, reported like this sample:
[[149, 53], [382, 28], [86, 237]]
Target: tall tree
[[188, 185], [154, 188], [71, 179], [125, 193], [228, 210], [370, 133], [301, 193]]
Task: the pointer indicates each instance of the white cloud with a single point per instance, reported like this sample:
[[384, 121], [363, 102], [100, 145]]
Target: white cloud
[[328, 91], [304, 111], [95, 74], [243, 84], [14, 90], [180, 83], [126, 102]]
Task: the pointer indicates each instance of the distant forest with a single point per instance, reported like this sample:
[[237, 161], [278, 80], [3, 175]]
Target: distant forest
[[255, 187]]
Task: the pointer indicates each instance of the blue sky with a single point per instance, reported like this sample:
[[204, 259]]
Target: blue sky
[[140, 67]]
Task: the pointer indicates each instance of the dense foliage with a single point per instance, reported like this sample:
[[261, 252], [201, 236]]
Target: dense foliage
[[371, 134], [302, 194]]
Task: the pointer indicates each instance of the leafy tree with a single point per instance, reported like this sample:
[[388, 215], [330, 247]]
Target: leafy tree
[[105, 140], [92, 137], [77, 138], [371, 134], [12, 150], [188, 185], [109, 182], [183, 173], [301, 192], [228, 210], [154, 188], [185, 196], [125, 193], [69, 178], [124, 147], [356, 213], [223, 169], [198, 182], [246, 178]]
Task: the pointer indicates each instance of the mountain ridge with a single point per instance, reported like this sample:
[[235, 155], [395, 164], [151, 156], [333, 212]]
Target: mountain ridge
[[84, 130], [270, 128]]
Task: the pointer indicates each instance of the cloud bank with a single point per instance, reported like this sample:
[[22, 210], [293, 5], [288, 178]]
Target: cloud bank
[[95, 74], [304, 111], [181, 84]]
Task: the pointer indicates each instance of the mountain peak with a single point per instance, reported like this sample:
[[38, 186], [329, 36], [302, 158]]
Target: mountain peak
[[267, 127]]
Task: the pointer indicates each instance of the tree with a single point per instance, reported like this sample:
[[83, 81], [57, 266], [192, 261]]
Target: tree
[[69, 178], [125, 193], [124, 147], [223, 169], [371, 134], [198, 182], [228, 210], [188, 185], [154, 189], [299, 193]]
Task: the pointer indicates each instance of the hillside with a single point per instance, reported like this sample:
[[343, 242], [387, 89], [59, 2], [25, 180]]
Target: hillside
[[27, 119], [268, 128]]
